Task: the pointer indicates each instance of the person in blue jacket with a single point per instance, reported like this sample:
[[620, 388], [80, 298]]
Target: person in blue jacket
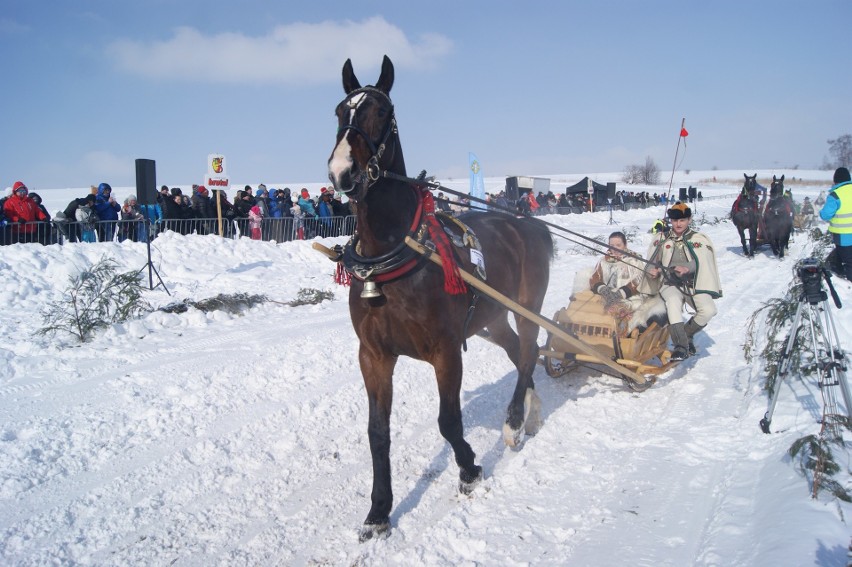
[[838, 212], [153, 215], [306, 204], [326, 212], [107, 209]]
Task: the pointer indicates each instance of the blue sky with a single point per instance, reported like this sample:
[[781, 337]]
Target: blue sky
[[532, 88]]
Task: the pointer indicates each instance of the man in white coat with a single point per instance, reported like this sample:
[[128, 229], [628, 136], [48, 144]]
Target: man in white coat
[[687, 275]]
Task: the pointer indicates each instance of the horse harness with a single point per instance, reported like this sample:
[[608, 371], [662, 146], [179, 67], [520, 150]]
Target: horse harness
[[402, 259]]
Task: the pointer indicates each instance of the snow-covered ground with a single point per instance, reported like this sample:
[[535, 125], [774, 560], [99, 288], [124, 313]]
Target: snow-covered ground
[[217, 439]]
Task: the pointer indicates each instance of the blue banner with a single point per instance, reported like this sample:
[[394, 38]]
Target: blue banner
[[477, 182]]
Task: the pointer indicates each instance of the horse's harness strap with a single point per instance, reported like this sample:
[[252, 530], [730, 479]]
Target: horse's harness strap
[[467, 239], [391, 265], [402, 259]]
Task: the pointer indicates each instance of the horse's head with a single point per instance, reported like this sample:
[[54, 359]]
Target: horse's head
[[367, 140], [750, 184], [777, 187]]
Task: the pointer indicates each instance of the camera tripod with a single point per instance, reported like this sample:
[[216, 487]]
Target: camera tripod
[[829, 358]]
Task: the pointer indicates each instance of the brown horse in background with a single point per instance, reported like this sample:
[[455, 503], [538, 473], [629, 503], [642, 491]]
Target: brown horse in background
[[778, 218], [398, 303], [746, 214]]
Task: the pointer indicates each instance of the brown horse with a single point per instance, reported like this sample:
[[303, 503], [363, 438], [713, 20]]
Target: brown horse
[[398, 302], [746, 214], [778, 218]]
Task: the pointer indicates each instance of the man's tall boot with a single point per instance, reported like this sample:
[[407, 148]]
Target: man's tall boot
[[691, 328], [680, 351]]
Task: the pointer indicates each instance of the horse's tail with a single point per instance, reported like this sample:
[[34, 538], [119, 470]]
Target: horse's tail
[[547, 239]]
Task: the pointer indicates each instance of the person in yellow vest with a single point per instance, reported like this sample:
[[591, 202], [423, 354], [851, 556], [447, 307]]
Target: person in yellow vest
[[691, 277], [838, 212]]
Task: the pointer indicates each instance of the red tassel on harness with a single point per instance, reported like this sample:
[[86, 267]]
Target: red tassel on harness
[[341, 276], [453, 282]]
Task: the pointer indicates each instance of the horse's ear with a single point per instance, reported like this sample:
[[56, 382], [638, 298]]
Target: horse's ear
[[774, 179], [782, 178], [350, 81], [746, 176], [385, 81]]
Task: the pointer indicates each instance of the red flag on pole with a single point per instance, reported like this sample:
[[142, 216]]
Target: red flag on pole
[[683, 133]]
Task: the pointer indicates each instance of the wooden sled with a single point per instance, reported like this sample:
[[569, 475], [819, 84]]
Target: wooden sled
[[586, 319], [802, 222]]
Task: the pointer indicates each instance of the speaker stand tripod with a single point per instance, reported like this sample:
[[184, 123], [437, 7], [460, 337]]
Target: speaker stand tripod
[[610, 212], [150, 265]]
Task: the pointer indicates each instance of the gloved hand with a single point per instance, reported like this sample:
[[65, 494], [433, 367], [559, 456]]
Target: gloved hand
[[609, 295]]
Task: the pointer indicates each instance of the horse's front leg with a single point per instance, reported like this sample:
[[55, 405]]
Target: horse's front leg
[[752, 240], [448, 371], [377, 370]]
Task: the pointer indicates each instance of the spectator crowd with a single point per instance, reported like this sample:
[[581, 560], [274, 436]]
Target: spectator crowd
[[261, 214]]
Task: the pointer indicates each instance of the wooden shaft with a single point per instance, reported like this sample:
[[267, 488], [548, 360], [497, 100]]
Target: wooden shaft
[[324, 249], [516, 307]]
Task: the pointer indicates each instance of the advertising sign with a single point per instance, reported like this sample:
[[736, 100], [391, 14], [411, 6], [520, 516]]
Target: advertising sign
[[217, 173]]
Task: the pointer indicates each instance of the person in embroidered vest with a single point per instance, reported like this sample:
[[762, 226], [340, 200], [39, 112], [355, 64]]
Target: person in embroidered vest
[[691, 277], [838, 212]]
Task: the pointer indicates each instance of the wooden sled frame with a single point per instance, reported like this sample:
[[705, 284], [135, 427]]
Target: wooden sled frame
[[586, 319]]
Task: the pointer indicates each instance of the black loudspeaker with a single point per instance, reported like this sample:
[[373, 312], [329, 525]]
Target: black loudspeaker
[[610, 191], [693, 192], [512, 193], [682, 196], [146, 182]]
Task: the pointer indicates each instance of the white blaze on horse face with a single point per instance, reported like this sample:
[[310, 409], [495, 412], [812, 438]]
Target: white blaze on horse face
[[341, 157], [341, 160]]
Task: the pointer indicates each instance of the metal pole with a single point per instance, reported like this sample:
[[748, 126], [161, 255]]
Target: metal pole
[[674, 165]]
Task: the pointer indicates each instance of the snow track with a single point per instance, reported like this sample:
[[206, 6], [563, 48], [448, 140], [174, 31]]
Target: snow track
[[210, 439]]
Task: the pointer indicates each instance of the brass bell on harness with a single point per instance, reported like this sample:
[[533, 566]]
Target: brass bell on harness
[[370, 290]]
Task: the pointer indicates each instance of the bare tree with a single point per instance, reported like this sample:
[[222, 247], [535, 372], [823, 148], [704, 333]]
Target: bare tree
[[841, 150], [650, 172], [632, 174]]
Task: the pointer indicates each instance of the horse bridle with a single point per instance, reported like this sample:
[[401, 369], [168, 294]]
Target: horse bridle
[[373, 171]]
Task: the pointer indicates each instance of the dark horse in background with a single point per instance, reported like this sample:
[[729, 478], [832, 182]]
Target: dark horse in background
[[413, 315], [778, 218], [746, 214]]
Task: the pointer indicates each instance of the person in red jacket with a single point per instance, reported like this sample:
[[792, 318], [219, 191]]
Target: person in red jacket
[[23, 212]]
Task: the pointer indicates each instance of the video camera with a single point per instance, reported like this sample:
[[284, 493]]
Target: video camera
[[811, 273]]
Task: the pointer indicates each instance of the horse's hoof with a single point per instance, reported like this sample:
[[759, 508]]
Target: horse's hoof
[[469, 481], [374, 531], [530, 424], [512, 437]]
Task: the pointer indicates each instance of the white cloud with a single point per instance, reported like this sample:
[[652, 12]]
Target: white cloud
[[297, 53]]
